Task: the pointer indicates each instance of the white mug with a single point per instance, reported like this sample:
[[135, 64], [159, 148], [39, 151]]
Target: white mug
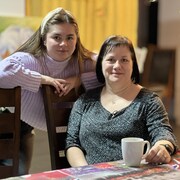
[[133, 150]]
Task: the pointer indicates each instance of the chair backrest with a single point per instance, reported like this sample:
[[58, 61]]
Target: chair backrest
[[10, 131], [159, 72], [159, 66], [57, 110]]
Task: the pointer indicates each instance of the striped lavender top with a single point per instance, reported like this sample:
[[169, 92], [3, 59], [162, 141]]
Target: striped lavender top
[[23, 69]]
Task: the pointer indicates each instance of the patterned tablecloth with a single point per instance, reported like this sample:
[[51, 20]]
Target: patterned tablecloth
[[115, 170]]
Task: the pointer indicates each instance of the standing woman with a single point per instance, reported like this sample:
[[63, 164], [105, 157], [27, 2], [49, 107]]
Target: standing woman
[[53, 55]]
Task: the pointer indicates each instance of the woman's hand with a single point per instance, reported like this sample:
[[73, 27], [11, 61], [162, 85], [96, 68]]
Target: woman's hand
[[158, 153], [72, 82], [62, 86], [69, 84]]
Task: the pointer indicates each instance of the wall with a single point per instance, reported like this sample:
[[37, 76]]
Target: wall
[[168, 32], [12, 7], [169, 37]]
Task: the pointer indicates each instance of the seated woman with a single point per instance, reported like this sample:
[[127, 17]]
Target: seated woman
[[120, 108]]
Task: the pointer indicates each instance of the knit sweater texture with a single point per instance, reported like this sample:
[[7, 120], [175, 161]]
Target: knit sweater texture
[[23, 69], [98, 132]]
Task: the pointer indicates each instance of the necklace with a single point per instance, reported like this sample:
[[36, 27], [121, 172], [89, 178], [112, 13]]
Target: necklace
[[115, 101], [121, 92]]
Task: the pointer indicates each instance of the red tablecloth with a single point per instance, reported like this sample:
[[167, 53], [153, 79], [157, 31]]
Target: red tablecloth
[[113, 170]]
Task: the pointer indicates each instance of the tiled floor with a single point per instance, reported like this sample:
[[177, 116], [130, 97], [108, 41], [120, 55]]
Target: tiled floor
[[41, 157]]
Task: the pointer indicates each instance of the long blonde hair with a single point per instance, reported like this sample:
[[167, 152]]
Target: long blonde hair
[[35, 44]]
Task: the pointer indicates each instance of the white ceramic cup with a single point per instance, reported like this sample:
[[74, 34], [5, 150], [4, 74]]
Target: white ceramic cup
[[133, 150]]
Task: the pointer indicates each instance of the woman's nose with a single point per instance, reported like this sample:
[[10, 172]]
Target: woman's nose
[[117, 64], [63, 43]]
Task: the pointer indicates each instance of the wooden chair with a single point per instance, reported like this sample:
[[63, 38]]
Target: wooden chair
[[10, 131], [57, 110], [159, 74]]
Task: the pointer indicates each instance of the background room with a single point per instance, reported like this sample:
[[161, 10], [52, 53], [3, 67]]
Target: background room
[[148, 24]]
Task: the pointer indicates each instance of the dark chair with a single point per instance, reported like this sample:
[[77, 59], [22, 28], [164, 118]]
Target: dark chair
[[159, 74], [10, 131], [57, 110]]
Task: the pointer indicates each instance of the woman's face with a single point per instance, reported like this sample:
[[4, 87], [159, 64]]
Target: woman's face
[[117, 65], [61, 41]]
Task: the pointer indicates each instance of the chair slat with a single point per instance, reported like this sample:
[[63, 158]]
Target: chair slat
[[7, 122], [7, 170], [6, 148], [57, 114], [10, 131]]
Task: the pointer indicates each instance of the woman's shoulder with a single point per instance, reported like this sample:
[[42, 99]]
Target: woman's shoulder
[[87, 99], [19, 56], [148, 96], [92, 94], [22, 54], [148, 92]]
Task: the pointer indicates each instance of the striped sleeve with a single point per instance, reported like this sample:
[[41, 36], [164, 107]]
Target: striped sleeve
[[20, 70], [90, 81]]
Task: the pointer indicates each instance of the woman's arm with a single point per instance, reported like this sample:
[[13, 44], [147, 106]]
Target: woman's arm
[[76, 157], [14, 73], [160, 132], [74, 150], [22, 69], [88, 76]]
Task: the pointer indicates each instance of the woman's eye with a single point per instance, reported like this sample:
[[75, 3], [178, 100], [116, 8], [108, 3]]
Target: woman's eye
[[124, 60], [57, 38], [110, 60], [70, 38]]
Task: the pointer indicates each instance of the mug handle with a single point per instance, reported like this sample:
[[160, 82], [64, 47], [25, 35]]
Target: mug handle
[[147, 149]]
